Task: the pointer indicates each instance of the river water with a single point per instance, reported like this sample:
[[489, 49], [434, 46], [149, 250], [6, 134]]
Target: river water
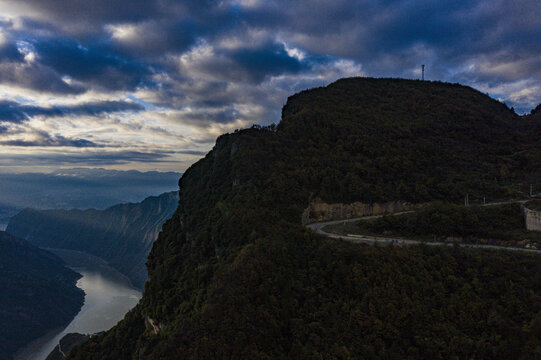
[[108, 297]]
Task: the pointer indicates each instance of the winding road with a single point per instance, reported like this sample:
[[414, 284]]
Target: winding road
[[318, 228]]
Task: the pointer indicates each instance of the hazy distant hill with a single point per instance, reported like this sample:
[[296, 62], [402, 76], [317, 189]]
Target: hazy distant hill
[[37, 293], [235, 275], [79, 189], [122, 234]]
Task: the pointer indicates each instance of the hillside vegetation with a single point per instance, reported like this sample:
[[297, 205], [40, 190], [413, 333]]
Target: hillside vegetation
[[234, 274], [122, 234], [37, 293]]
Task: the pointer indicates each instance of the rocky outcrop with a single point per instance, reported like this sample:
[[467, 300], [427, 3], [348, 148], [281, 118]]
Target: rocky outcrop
[[320, 211], [154, 326]]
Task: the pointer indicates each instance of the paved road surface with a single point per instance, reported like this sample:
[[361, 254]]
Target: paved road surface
[[318, 228]]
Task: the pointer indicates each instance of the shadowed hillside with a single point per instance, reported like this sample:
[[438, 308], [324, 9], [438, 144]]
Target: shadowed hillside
[[37, 293], [234, 274]]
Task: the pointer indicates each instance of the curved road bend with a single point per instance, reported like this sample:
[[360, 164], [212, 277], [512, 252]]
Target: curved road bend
[[318, 228]]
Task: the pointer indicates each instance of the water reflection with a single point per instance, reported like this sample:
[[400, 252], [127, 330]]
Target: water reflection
[[108, 297], [106, 302]]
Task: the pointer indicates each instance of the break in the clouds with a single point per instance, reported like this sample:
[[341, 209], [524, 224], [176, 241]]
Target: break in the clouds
[[12, 111], [114, 81]]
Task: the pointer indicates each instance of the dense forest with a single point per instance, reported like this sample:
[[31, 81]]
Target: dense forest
[[121, 234], [37, 293], [234, 274]]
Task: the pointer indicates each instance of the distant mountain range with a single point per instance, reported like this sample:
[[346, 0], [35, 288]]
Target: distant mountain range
[[122, 234], [79, 189], [37, 293]]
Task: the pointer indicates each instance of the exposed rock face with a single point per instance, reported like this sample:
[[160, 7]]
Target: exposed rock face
[[321, 211], [153, 325]]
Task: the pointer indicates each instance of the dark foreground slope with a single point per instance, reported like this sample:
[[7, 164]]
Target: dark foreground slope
[[122, 234], [65, 345], [234, 274], [37, 293]]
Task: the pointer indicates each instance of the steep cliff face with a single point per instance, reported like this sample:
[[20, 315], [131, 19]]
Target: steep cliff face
[[37, 293], [122, 234], [234, 274]]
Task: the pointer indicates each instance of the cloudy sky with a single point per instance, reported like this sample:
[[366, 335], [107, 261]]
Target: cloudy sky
[[149, 84]]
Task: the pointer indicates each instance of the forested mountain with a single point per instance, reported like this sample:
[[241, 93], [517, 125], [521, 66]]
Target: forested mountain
[[235, 275], [37, 293], [122, 234]]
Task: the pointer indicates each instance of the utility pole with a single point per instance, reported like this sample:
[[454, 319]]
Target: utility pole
[[531, 190], [466, 201], [423, 72], [484, 200]]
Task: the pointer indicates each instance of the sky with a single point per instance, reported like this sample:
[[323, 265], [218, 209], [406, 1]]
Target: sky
[[150, 84]]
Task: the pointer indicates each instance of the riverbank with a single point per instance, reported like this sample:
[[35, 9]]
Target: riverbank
[[109, 295], [79, 259]]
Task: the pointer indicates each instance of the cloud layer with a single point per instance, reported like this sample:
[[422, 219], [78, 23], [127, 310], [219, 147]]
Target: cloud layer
[[136, 78]]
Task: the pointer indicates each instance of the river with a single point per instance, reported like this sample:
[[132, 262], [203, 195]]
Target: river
[[108, 297]]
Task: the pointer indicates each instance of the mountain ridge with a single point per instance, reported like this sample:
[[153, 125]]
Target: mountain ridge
[[234, 274]]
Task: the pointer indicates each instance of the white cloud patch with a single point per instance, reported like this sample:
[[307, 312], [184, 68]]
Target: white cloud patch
[[200, 68]]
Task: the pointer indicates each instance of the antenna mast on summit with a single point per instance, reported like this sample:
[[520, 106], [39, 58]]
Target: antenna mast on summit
[[423, 72]]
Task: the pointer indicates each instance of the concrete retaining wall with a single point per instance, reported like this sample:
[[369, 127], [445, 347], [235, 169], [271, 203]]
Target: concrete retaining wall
[[533, 219], [319, 211]]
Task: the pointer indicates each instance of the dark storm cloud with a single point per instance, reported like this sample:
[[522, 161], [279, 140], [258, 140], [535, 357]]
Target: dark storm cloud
[[389, 37], [45, 140], [9, 52], [100, 158], [12, 111], [73, 11], [111, 158], [269, 60], [81, 18], [192, 152], [15, 70], [36, 77], [155, 38], [95, 64]]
